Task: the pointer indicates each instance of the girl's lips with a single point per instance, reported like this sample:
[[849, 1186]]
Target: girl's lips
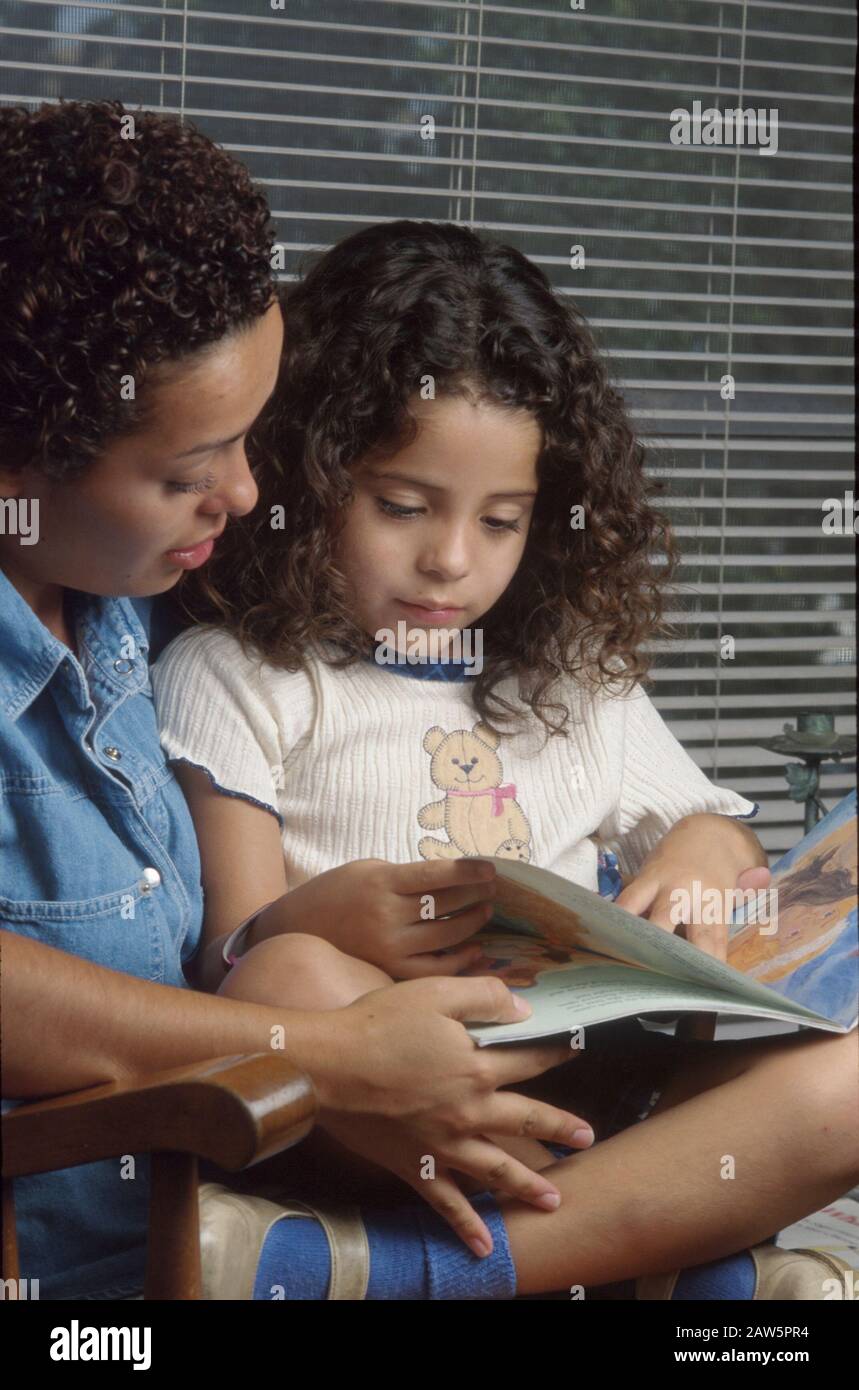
[[430, 614], [193, 558]]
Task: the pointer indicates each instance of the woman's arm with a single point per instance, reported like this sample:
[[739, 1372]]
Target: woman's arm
[[400, 1056], [68, 1023]]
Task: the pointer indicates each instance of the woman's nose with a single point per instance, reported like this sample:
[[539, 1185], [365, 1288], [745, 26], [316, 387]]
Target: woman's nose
[[237, 493]]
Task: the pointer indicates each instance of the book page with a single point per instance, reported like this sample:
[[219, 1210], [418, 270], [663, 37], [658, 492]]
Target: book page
[[538, 903], [835, 1229], [813, 957], [570, 989]]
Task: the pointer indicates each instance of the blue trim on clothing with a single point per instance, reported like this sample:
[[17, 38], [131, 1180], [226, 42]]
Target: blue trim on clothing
[[225, 791], [424, 671]]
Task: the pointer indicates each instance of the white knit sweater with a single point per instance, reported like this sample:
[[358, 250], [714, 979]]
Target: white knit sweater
[[367, 763]]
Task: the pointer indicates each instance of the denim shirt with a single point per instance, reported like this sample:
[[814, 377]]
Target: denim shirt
[[98, 857]]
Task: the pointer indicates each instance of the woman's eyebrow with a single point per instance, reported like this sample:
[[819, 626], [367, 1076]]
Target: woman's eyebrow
[[438, 487], [219, 443], [207, 448]]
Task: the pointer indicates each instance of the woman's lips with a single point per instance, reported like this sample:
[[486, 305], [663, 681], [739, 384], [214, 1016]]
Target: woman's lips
[[192, 558]]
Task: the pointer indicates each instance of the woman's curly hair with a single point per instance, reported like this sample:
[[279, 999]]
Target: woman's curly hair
[[127, 239], [376, 314]]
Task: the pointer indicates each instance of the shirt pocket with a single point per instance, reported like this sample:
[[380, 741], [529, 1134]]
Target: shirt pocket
[[122, 930]]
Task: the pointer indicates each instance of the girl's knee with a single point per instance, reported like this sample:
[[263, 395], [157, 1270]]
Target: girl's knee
[[299, 971]]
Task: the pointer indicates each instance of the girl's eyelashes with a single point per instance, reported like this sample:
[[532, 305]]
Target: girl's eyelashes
[[202, 486], [394, 509]]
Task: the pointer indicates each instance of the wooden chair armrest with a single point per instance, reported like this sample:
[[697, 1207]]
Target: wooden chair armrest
[[235, 1111]]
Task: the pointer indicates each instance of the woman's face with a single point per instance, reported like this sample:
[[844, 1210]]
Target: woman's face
[[435, 534], [152, 503]]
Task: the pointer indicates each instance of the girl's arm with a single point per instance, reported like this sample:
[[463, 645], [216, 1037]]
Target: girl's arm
[[368, 909], [216, 711], [241, 853]]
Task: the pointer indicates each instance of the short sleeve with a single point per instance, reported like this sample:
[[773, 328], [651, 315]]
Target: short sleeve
[[215, 713], [659, 785]]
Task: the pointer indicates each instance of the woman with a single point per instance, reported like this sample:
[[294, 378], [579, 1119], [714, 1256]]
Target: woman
[[139, 334]]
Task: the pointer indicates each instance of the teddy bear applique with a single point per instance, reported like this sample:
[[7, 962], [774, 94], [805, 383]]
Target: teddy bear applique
[[478, 811]]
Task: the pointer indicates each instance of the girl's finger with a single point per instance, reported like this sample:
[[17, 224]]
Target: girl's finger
[[446, 900], [754, 878], [663, 913], [432, 875], [638, 895], [709, 937], [419, 966], [437, 936]]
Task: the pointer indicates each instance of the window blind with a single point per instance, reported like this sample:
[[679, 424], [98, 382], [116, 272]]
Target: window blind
[[550, 128]]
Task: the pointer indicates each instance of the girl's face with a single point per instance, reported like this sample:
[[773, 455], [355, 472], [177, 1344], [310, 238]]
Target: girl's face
[[435, 533], [151, 505]]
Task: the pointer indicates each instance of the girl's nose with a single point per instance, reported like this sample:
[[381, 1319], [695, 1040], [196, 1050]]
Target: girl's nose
[[446, 554]]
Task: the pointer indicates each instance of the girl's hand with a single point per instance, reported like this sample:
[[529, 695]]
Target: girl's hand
[[711, 851], [373, 910]]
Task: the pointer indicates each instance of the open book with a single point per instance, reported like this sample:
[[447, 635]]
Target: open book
[[793, 950]]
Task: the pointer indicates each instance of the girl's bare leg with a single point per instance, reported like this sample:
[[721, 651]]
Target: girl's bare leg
[[657, 1197], [784, 1112], [301, 972]]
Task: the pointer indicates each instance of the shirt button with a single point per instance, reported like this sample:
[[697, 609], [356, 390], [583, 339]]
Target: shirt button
[[123, 665], [149, 879], [112, 753]]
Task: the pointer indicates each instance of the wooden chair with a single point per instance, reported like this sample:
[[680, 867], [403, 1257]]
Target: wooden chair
[[232, 1111], [235, 1113]]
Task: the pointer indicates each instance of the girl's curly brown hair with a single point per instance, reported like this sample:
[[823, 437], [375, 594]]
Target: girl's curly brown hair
[[381, 310], [126, 239]]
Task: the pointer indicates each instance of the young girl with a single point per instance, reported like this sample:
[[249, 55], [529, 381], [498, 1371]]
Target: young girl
[[446, 455]]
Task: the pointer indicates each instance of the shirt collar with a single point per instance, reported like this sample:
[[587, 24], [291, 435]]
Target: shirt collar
[[30, 655], [450, 670]]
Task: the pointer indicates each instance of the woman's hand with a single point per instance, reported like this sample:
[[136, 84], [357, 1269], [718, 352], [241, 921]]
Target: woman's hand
[[707, 850], [406, 1087], [390, 914]]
